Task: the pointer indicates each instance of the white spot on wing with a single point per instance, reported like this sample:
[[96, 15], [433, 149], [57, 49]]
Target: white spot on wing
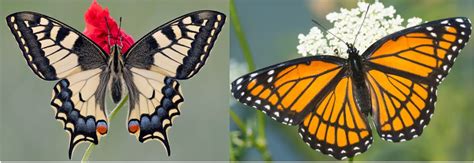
[[445, 67], [271, 72], [267, 107], [239, 81], [270, 79], [253, 75], [277, 114], [454, 48]]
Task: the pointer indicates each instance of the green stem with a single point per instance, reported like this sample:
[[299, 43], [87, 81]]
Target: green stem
[[112, 115], [237, 121], [260, 141], [351, 160], [241, 37]]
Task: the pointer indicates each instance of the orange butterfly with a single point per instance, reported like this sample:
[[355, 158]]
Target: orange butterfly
[[395, 81]]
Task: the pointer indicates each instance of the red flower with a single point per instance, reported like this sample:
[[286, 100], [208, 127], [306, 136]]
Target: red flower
[[96, 28]]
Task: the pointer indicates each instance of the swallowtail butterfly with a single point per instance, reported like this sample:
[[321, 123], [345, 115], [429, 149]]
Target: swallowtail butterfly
[[149, 70]]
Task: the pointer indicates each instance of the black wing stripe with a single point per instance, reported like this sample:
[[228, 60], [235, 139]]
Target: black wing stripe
[[154, 103], [419, 113], [458, 29], [51, 48], [79, 104], [180, 47]]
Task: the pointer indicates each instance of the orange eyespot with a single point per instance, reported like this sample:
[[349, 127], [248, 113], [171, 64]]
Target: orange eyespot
[[133, 126], [102, 128]]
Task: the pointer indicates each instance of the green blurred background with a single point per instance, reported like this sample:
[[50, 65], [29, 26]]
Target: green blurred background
[[272, 27], [28, 130]]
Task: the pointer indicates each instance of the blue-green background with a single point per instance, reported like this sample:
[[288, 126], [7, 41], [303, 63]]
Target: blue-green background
[[28, 130], [272, 27]]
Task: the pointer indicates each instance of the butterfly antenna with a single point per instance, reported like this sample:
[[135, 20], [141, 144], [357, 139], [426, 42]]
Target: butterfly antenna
[[325, 29], [119, 33], [363, 20], [108, 31]]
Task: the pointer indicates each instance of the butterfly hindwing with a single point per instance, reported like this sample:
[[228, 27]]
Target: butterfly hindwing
[[79, 103], [405, 69], [402, 106], [154, 103], [178, 48], [52, 49], [336, 126], [55, 51], [287, 91]]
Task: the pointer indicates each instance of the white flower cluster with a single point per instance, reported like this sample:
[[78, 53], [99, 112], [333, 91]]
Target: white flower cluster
[[381, 21]]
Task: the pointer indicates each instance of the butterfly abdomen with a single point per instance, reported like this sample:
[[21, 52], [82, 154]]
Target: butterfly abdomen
[[116, 89], [362, 96]]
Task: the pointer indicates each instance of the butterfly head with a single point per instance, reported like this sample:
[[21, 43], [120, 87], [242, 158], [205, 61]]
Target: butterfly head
[[116, 50], [351, 50]]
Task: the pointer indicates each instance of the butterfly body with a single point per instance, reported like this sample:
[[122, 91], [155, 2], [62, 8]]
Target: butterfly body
[[149, 71], [394, 82], [361, 91], [116, 69]]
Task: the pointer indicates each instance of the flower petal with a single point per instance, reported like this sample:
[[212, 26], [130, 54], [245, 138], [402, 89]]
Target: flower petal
[[96, 28]]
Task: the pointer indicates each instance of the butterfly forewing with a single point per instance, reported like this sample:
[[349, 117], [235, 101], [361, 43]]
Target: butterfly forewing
[[178, 48], [55, 51], [173, 51], [287, 91], [404, 70], [52, 49]]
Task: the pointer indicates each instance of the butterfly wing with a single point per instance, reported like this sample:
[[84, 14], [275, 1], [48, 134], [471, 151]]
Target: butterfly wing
[[336, 125], [175, 50], [286, 91], [404, 70], [52, 49], [79, 103], [312, 91], [178, 48], [56, 51]]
